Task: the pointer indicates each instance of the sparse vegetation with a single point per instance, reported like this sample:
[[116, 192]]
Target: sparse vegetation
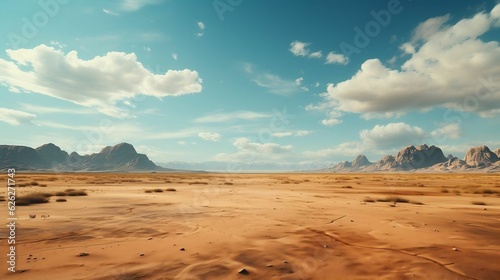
[[478, 203], [157, 190], [2, 198], [77, 193], [445, 191], [198, 183], [32, 198], [369, 199], [61, 200], [60, 194], [34, 183], [347, 187], [171, 190], [148, 191], [228, 183]]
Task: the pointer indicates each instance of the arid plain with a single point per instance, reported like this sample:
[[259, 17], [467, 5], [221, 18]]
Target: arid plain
[[275, 226]]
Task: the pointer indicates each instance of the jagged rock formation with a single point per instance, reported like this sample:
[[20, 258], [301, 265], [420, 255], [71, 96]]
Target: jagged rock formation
[[453, 164], [450, 156], [122, 157], [360, 161], [480, 156], [421, 156], [497, 152]]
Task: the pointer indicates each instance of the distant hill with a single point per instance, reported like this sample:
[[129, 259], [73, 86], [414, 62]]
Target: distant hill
[[121, 157], [425, 159]]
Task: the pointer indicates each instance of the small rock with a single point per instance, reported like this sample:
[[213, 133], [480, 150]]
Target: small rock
[[285, 261], [243, 271], [269, 265], [325, 246], [182, 249], [141, 254], [21, 271], [151, 238], [352, 221], [455, 249], [484, 208], [83, 254]]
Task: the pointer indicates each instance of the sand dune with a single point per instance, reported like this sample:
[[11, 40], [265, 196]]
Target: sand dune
[[276, 226]]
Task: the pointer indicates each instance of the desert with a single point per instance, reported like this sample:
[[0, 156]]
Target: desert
[[257, 226]]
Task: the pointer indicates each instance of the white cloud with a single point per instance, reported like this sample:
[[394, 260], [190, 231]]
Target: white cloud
[[299, 48], [292, 133], [274, 83], [181, 142], [252, 151], [134, 5], [331, 122], [15, 117], [55, 110], [201, 26], [116, 78], [298, 81], [174, 56], [349, 149], [317, 54], [111, 13], [446, 131], [233, 116], [392, 135], [209, 136], [451, 67], [335, 58], [316, 84]]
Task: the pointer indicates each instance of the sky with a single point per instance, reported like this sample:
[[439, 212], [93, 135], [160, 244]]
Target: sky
[[244, 81]]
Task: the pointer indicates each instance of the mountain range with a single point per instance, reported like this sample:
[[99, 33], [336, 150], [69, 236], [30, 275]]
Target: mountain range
[[424, 158], [124, 158], [121, 157]]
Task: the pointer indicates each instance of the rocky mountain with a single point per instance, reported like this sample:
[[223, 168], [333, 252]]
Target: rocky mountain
[[421, 156], [497, 152], [360, 161], [122, 157], [480, 156], [424, 158]]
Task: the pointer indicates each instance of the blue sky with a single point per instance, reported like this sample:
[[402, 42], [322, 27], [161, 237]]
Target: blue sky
[[241, 80]]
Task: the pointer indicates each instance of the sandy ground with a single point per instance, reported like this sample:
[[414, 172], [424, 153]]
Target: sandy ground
[[276, 226]]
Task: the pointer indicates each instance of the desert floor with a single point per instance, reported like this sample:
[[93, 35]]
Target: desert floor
[[276, 226]]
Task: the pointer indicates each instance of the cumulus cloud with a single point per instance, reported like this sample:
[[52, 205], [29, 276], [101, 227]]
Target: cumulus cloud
[[391, 135], [449, 66], [252, 151], [299, 48], [446, 131], [209, 136], [317, 54], [103, 82], [15, 117], [336, 58], [384, 139]]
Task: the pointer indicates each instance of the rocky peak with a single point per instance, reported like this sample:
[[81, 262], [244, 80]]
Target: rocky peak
[[497, 152], [51, 153], [421, 156], [360, 161], [480, 156]]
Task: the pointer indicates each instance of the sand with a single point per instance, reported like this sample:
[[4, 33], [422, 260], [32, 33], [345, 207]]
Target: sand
[[276, 226]]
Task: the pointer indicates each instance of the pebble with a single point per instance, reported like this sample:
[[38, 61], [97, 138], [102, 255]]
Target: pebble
[[285, 261], [455, 249], [141, 254], [182, 249], [83, 254], [243, 271], [269, 265]]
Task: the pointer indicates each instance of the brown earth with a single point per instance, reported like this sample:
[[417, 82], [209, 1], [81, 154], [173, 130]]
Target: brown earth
[[276, 226]]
